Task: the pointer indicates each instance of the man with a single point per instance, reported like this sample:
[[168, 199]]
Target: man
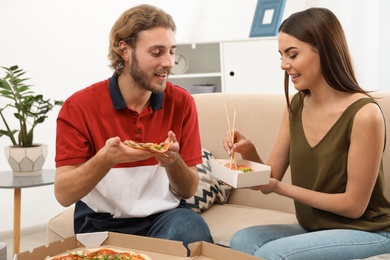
[[115, 187]]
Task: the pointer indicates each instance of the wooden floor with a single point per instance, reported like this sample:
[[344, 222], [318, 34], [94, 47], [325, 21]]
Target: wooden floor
[[30, 239]]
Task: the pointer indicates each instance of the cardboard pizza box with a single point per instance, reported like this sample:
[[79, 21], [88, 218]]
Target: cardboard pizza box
[[156, 249], [238, 179], [204, 251]]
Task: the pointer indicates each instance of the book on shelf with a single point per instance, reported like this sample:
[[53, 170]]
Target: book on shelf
[[203, 88]]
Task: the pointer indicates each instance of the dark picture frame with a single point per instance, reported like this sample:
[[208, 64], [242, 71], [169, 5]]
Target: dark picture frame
[[268, 16]]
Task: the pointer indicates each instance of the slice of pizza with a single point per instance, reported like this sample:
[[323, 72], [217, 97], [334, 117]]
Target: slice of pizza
[[101, 253], [154, 147]]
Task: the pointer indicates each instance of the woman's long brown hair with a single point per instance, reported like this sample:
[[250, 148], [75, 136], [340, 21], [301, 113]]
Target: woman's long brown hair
[[320, 28]]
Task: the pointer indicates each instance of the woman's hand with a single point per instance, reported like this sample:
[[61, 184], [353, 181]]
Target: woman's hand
[[236, 143], [267, 188], [239, 143]]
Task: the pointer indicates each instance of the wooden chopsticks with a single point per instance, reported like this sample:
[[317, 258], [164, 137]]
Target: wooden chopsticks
[[231, 131]]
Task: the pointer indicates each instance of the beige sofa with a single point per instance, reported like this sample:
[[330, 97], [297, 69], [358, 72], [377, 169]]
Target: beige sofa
[[258, 116]]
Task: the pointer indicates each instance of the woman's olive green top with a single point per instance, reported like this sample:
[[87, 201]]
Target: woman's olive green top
[[323, 168]]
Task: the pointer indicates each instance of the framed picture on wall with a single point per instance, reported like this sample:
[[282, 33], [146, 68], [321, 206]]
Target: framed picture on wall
[[268, 16]]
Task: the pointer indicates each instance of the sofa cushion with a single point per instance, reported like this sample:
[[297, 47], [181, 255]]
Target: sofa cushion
[[210, 189], [225, 220]]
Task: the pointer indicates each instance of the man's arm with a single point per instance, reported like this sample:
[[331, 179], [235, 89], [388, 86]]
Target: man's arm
[[73, 182]]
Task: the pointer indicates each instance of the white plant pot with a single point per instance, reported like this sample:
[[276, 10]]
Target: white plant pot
[[26, 161]]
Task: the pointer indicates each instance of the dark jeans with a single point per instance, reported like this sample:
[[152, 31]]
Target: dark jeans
[[180, 224]]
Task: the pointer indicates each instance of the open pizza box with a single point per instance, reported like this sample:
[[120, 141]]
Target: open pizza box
[[156, 249], [238, 179]]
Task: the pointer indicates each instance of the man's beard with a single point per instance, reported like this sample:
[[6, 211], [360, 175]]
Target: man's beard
[[142, 79]]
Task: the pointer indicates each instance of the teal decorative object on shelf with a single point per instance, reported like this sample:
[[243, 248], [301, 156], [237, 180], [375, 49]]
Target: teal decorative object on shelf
[[268, 16]]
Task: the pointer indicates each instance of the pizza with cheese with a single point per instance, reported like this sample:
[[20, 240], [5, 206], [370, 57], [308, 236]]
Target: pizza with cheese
[[153, 147], [101, 253]]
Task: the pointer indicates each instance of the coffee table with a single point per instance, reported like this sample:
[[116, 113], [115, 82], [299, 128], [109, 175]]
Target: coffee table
[[9, 181]]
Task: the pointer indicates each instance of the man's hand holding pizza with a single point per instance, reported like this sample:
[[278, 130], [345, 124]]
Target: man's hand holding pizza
[[118, 152], [171, 154], [183, 179], [165, 152], [73, 182]]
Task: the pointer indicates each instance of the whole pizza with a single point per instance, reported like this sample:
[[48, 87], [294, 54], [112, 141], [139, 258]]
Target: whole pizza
[[100, 253]]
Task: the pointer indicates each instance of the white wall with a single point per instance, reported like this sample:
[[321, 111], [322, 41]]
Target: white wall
[[366, 25], [63, 47]]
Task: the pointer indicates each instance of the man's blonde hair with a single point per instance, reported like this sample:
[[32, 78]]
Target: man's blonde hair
[[129, 25]]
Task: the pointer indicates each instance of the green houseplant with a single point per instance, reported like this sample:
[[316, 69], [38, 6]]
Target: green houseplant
[[29, 110]]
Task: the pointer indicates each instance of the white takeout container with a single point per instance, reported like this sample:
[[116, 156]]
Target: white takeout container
[[238, 179]]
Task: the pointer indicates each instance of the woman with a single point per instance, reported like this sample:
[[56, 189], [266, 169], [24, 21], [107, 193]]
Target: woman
[[332, 136]]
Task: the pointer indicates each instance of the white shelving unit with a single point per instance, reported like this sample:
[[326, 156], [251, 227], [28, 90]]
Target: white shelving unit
[[251, 65], [204, 65]]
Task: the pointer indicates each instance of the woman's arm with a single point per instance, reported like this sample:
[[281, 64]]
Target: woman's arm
[[279, 158]]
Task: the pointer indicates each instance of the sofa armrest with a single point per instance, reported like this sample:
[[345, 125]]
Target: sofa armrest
[[60, 226]]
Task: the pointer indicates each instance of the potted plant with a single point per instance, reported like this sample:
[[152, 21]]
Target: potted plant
[[29, 110]]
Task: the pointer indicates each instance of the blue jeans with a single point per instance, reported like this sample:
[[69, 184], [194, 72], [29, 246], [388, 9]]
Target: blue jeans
[[273, 242], [180, 224]]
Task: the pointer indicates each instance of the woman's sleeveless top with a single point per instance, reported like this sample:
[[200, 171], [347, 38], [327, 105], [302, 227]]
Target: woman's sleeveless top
[[323, 168]]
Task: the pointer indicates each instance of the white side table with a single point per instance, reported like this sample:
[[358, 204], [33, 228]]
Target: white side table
[[9, 181]]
